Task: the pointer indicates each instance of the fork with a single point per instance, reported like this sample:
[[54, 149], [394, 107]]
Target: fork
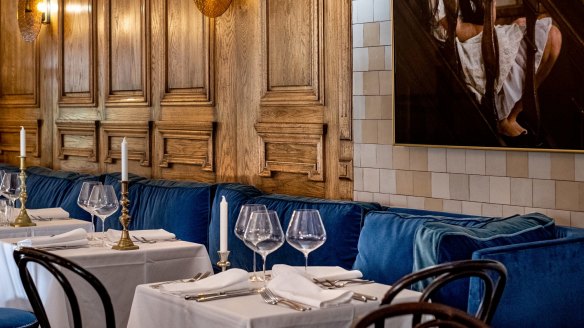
[[196, 277], [356, 296], [270, 298], [148, 241]]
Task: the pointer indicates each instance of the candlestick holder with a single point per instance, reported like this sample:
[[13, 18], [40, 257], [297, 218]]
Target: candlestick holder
[[125, 243], [22, 220], [223, 262]]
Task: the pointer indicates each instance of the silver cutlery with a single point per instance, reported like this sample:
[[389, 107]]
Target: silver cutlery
[[356, 296], [240, 293], [270, 298], [56, 248], [196, 277]]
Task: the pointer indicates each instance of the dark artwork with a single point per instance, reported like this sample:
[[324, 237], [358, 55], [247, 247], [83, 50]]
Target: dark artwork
[[462, 80]]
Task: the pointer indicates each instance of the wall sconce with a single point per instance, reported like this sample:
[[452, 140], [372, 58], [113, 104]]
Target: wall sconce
[[213, 8], [31, 15]]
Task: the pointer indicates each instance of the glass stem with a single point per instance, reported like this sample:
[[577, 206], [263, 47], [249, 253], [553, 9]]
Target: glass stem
[[265, 280], [305, 263], [254, 264], [102, 232], [92, 227]]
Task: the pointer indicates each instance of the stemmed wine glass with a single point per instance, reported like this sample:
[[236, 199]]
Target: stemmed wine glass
[[103, 202], [306, 232], [264, 234], [83, 201], [10, 187], [241, 224]]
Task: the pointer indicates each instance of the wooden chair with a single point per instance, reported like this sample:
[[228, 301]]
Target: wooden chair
[[54, 264], [492, 273], [436, 315]]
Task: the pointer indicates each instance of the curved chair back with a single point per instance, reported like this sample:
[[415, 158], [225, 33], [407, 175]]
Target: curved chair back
[[54, 264], [437, 315], [492, 273]]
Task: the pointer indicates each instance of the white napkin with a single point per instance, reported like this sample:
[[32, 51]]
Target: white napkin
[[154, 234], [77, 237], [55, 213], [232, 279], [290, 283], [321, 272]]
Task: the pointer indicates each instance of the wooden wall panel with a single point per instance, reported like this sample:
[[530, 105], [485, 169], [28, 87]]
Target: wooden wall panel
[[127, 26], [10, 139], [77, 53], [77, 138], [19, 62]]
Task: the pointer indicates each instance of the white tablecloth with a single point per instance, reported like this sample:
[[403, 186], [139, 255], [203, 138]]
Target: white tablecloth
[[151, 308], [119, 271], [44, 228]]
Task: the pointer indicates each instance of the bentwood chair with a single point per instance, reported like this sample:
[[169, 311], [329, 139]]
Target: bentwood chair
[[435, 315], [55, 265], [492, 273], [15, 318]]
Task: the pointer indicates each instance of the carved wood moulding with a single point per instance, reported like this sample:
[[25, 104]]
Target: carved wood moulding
[[77, 138], [293, 52], [185, 143], [189, 70], [293, 148], [78, 54], [10, 136], [137, 135]]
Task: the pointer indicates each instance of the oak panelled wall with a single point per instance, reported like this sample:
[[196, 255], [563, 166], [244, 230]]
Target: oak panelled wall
[[260, 95]]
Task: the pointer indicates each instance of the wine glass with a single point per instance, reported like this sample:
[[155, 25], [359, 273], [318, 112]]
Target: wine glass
[[306, 232], [83, 201], [103, 202], [241, 224], [10, 187], [264, 234]]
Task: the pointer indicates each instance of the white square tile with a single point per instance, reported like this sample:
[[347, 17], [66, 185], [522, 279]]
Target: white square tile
[[561, 217], [384, 132], [381, 10], [358, 176], [360, 59], [577, 219], [364, 11], [544, 193], [356, 155], [357, 35], [415, 202], [579, 166], [521, 192], [496, 163], [385, 33], [436, 159], [388, 58], [357, 83], [362, 196], [452, 206], [500, 190], [359, 108], [387, 181], [492, 210], [539, 165], [479, 188], [472, 208], [509, 210], [398, 201], [384, 156], [371, 180], [385, 85], [455, 160], [368, 155], [441, 185], [475, 162], [358, 131]]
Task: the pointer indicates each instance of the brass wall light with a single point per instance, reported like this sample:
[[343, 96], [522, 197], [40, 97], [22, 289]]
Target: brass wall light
[[31, 15], [213, 8]]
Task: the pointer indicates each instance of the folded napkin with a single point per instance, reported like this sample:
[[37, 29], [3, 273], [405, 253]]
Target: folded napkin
[[321, 272], [154, 234], [232, 279], [55, 213], [290, 283], [77, 237]]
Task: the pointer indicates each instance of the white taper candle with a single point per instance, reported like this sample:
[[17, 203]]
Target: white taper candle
[[124, 160], [22, 142], [223, 225]]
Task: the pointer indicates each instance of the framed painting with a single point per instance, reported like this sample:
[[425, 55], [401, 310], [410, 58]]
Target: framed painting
[[480, 74]]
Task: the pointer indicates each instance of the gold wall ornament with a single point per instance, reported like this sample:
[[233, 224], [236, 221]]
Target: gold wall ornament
[[213, 8], [31, 15]]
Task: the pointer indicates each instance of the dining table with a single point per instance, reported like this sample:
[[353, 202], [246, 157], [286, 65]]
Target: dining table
[[44, 228], [119, 271], [153, 308]]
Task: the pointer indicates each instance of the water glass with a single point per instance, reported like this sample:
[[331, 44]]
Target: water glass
[[103, 202], [306, 232], [264, 234], [241, 224], [10, 187]]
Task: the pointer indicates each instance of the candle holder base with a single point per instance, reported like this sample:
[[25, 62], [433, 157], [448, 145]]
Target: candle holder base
[[22, 220], [223, 262], [125, 243]]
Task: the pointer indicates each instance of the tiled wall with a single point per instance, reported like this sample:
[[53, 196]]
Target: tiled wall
[[483, 182]]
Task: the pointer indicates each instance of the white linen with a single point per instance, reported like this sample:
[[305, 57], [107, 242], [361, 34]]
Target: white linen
[[153, 234], [77, 237], [55, 213], [225, 281], [44, 228], [290, 283], [119, 271], [321, 272]]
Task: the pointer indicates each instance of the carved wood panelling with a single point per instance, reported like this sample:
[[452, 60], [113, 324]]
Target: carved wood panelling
[[185, 143], [77, 138], [137, 136], [77, 53], [189, 69], [293, 53], [19, 62], [293, 148], [10, 136], [127, 28]]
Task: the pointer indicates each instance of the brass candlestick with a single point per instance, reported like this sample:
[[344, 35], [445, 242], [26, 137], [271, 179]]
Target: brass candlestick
[[22, 220], [223, 262], [125, 243]]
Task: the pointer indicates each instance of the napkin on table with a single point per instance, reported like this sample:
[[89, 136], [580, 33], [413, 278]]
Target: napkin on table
[[290, 283], [154, 234], [77, 237], [321, 272], [55, 213], [232, 279]]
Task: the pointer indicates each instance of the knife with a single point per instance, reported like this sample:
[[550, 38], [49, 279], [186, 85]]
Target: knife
[[363, 297], [228, 292], [219, 297]]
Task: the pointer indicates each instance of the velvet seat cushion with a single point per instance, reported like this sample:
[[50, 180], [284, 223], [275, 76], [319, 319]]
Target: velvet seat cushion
[[15, 318], [342, 221]]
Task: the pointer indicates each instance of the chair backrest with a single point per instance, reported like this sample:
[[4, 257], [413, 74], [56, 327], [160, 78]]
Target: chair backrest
[[54, 264], [492, 273], [435, 315]]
